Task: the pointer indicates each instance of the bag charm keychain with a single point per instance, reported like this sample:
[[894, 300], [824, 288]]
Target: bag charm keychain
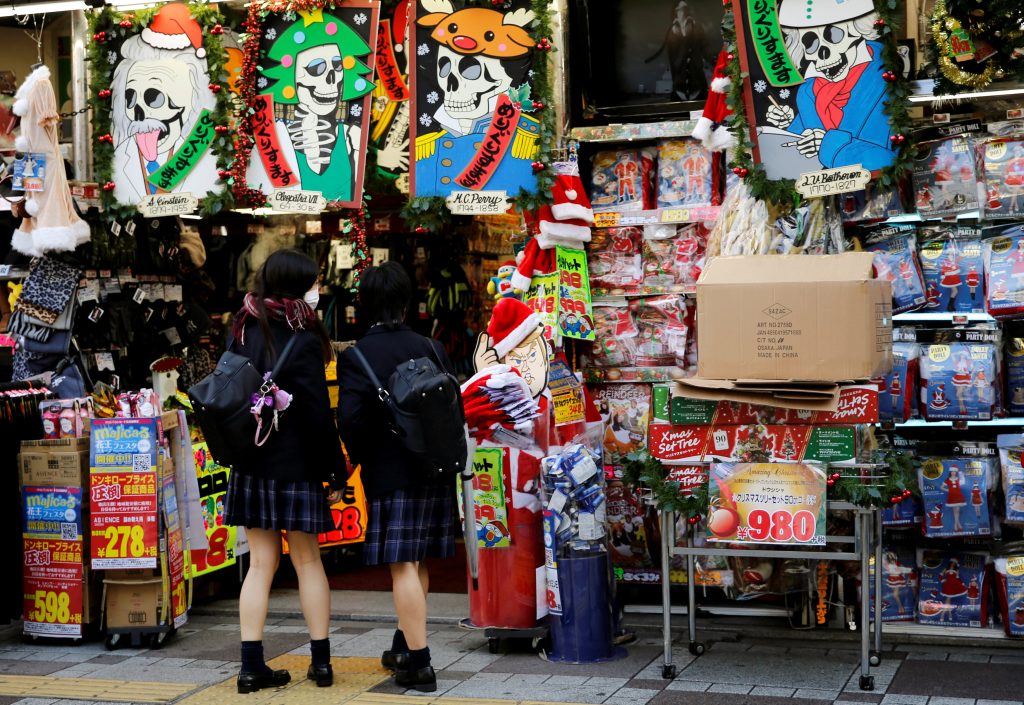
[[271, 397]]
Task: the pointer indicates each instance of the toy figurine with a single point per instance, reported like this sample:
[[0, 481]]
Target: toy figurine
[[500, 285]]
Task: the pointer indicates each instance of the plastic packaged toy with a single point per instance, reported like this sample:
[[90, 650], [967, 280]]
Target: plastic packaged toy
[[684, 174], [621, 180], [626, 412], [953, 269], [1009, 578], [1004, 270], [662, 332], [616, 331], [1013, 332], [945, 182], [1002, 174], [955, 494], [870, 204], [615, 262], [899, 583], [1011, 446], [897, 400], [953, 588], [959, 381], [896, 262]]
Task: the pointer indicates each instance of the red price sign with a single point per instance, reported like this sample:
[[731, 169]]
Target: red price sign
[[123, 520], [53, 587], [349, 515], [781, 526]]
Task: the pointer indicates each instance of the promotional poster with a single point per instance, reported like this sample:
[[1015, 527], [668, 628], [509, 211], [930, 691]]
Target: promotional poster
[[953, 588], [955, 492]]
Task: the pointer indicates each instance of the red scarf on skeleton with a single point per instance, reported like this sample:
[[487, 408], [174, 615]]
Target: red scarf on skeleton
[[831, 97]]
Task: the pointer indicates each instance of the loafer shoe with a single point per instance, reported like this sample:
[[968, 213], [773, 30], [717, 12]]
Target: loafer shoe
[[394, 660], [423, 680], [323, 675], [251, 682]]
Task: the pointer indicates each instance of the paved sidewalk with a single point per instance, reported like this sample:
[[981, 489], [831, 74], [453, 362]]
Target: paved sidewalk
[[197, 667]]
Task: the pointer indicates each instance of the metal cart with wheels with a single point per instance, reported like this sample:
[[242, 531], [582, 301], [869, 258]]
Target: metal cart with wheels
[[864, 544]]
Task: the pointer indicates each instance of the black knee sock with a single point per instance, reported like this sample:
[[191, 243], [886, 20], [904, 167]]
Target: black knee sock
[[419, 658], [321, 651], [252, 658], [398, 642]]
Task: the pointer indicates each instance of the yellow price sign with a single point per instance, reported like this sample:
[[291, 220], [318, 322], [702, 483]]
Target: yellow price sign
[[606, 220], [125, 541], [675, 215], [51, 607]]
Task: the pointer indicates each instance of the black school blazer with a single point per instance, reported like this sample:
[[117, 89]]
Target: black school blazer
[[362, 418], [305, 446]]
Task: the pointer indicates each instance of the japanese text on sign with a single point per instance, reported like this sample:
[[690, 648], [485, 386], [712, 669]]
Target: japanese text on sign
[[267, 144], [387, 66], [575, 316], [185, 159], [769, 44], [495, 143]]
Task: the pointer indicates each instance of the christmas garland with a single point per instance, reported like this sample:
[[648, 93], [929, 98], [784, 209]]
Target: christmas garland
[[782, 192], [643, 472], [430, 214], [997, 24], [107, 24]]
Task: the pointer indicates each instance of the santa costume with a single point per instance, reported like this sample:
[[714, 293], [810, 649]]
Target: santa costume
[[711, 129], [52, 225], [954, 495]]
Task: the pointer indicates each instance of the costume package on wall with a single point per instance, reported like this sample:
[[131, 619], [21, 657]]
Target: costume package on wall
[[1002, 176], [311, 111], [615, 261], [632, 536], [958, 381], [1013, 332], [476, 126], [897, 399], [1012, 475], [684, 174], [816, 91], [899, 583], [621, 180], [625, 410], [902, 515], [896, 262], [944, 177], [1004, 270], [955, 493], [953, 588], [953, 268], [1009, 577]]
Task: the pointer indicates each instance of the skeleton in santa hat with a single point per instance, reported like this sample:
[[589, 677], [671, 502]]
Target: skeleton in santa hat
[[160, 89], [52, 224]]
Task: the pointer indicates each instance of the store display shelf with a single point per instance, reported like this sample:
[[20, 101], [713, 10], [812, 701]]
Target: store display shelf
[[954, 318], [631, 374], [616, 295], [923, 92], [936, 630], [634, 131], [921, 423], [620, 219]]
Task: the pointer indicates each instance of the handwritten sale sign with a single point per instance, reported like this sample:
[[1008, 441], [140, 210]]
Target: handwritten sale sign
[[489, 498], [575, 316], [766, 503]]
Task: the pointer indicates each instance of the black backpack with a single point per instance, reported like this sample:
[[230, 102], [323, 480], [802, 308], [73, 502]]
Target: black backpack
[[424, 403]]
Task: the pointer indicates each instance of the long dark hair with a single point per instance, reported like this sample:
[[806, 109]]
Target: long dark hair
[[384, 294], [286, 276]]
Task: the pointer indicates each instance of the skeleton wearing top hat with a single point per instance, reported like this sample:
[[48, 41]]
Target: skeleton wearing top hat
[[840, 113]]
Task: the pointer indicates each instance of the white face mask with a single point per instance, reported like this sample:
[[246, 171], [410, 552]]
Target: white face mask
[[312, 297]]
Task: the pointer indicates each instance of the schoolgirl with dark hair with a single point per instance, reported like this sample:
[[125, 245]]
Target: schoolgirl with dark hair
[[282, 489]]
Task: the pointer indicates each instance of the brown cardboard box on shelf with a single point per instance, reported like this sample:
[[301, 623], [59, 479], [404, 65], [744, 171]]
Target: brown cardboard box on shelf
[[55, 463], [794, 318], [823, 397], [133, 603]]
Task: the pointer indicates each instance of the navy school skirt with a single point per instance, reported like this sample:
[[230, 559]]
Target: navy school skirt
[[410, 525], [278, 505]]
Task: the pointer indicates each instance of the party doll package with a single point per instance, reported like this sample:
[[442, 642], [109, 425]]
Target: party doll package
[[953, 588], [684, 174], [1009, 578], [944, 177], [959, 380], [955, 494], [896, 261], [899, 583], [1004, 270], [897, 400], [952, 263], [1002, 176], [1013, 333], [1011, 447]]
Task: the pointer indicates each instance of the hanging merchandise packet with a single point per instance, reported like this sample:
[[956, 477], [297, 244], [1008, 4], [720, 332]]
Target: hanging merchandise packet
[[945, 182], [896, 261], [953, 588], [952, 262], [1004, 270], [955, 493]]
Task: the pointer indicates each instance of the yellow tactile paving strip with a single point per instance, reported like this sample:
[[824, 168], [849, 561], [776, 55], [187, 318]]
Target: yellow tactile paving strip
[[50, 687]]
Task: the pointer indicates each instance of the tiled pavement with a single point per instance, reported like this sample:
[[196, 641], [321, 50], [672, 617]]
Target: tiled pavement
[[197, 666]]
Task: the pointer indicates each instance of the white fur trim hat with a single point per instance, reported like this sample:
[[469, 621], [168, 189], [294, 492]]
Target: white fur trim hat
[[173, 27], [512, 322]]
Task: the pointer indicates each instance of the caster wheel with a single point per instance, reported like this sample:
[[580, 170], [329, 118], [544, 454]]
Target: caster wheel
[[867, 682], [697, 648], [875, 658], [112, 641], [492, 645], [668, 671]]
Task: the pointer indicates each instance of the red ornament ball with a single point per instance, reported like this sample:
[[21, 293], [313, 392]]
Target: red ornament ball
[[544, 44], [104, 94], [879, 22], [125, 23], [835, 476], [898, 139], [216, 29], [421, 230], [215, 87], [830, 482], [108, 138], [895, 500], [693, 520], [730, 56], [224, 174], [538, 166], [537, 105], [907, 494], [100, 37], [109, 186], [221, 129], [889, 76], [740, 171]]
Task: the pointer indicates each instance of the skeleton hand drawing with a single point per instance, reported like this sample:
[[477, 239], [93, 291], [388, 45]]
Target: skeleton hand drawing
[[780, 116], [394, 156], [810, 142]]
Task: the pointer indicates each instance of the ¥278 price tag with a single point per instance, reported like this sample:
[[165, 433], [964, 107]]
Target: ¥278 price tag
[[125, 541]]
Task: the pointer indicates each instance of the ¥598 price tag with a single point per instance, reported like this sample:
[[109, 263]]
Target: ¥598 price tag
[[51, 608]]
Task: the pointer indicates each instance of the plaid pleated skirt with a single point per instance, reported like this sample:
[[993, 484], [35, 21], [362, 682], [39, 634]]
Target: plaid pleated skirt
[[278, 505], [410, 525]]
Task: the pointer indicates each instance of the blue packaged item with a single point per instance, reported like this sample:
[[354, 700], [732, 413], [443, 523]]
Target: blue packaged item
[[1004, 270], [903, 514], [955, 494], [899, 583], [897, 400], [873, 203], [953, 268], [953, 590], [684, 174], [1009, 574], [958, 381], [945, 182], [1012, 475], [1013, 368], [896, 262]]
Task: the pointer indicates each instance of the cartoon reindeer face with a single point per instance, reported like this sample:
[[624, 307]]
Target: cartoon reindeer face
[[477, 30]]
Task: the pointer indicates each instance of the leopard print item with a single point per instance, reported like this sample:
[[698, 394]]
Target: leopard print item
[[49, 287]]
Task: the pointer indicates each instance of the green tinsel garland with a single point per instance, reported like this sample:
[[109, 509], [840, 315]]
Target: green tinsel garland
[[107, 20], [783, 192]]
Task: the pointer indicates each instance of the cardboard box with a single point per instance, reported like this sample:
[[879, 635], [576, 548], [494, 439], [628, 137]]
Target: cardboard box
[[58, 463], [801, 317], [858, 404], [133, 603]]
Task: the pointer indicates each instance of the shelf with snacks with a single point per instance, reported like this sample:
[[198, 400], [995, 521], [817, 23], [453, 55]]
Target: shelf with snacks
[[664, 373], [656, 216], [624, 132]]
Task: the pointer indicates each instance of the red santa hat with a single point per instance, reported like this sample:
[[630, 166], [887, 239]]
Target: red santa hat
[[551, 231], [532, 260], [512, 322], [173, 27], [711, 128], [570, 198]]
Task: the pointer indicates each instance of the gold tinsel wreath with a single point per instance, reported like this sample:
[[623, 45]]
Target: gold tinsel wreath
[[948, 67]]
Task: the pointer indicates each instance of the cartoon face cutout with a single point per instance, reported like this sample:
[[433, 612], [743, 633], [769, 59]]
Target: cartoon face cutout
[[531, 359], [318, 78], [157, 100]]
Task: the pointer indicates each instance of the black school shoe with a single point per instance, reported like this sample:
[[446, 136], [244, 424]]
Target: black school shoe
[[323, 675], [251, 682], [423, 680], [394, 660]]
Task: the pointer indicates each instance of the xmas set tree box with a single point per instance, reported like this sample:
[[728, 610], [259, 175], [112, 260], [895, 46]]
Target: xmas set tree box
[[857, 404], [806, 317], [753, 443]]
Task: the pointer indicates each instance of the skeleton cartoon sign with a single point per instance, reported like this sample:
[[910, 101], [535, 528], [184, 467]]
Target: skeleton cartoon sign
[[475, 126], [389, 120], [162, 110], [816, 91], [312, 101]]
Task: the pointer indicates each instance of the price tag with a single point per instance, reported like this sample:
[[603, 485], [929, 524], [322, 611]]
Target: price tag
[[675, 215], [5, 270], [379, 255], [104, 361], [51, 607], [125, 541], [314, 227], [172, 292], [606, 220], [172, 335], [140, 295]]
